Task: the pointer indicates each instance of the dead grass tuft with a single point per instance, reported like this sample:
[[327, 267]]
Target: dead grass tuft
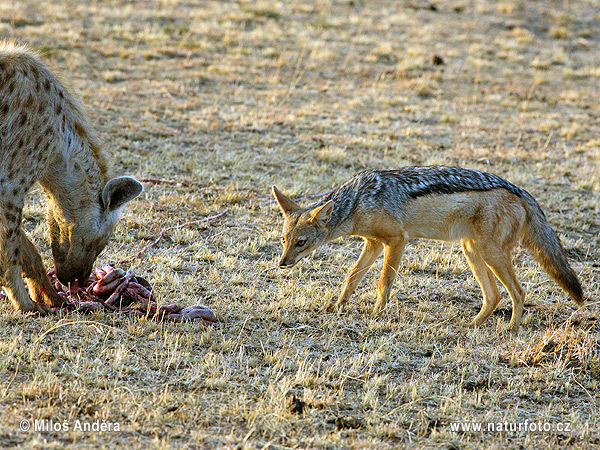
[[564, 347]]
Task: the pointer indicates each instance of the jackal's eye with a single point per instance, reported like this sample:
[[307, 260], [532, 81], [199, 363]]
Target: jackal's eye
[[301, 243], [283, 240]]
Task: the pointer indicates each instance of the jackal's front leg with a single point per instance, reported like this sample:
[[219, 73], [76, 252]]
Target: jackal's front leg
[[371, 250], [40, 288], [393, 253]]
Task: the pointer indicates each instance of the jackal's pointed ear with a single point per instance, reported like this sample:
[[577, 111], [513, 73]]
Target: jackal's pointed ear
[[286, 204], [120, 191], [320, 215]]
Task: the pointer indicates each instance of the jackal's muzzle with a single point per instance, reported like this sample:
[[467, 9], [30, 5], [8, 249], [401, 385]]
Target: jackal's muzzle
[[285, 264]]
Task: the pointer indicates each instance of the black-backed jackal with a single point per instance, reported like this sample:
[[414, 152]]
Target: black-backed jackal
[[489, 216]]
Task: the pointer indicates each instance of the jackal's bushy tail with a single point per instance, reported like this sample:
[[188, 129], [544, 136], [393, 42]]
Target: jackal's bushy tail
[[545, 246]]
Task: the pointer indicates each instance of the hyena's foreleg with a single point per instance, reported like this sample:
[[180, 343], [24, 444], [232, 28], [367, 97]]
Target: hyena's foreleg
[[486, 280], [371, 250], [10, 260], [393, 251], [40, 288]]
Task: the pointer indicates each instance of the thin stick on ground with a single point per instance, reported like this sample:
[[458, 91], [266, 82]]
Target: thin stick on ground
[[158, 181], [175, 227], [322, 194]]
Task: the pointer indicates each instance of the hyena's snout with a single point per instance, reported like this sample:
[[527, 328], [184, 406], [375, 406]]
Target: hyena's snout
[[68, 275]]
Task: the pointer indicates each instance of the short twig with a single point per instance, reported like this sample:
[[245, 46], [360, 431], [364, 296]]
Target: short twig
[[175, 227], [322, 194], [157, 181]]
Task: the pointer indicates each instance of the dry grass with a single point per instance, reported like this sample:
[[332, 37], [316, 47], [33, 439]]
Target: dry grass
[[228, 98], [566, 347]]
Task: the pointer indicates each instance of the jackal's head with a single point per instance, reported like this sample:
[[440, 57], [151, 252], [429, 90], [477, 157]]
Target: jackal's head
[[78, 237], [303, 229]]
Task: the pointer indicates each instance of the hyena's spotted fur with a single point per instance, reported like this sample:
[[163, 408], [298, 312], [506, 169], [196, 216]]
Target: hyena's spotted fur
[[45, 137]]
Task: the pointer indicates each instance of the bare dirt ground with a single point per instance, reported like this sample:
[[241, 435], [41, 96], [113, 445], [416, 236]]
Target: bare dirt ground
[[225, 99]]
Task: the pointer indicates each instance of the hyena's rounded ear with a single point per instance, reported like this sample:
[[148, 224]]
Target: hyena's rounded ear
[[286, 204], [119, 191], [320, 216]]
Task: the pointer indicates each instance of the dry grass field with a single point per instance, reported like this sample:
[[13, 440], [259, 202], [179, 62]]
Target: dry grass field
[[222, 99]]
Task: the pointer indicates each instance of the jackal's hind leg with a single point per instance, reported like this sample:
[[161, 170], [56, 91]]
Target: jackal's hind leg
[[486, 280], [393, 253], [40, 288], [500, 262], [371, 250]]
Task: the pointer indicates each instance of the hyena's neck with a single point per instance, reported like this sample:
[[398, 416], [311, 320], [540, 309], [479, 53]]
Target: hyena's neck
[[75, 178]]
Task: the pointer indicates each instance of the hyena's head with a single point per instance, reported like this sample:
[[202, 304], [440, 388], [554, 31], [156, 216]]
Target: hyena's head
[[77, 240], [303, 229]]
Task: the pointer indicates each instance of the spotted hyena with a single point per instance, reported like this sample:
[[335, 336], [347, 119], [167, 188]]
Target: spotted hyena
[[45, 137]]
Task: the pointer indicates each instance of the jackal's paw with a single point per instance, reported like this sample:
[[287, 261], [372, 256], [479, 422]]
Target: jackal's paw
[[328, 307], [514, 331], [377, 311], [333, 307]]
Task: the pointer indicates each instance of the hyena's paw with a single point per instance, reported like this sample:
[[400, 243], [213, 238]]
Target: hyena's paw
[[33, 307], [51, 298], [45, 295]]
